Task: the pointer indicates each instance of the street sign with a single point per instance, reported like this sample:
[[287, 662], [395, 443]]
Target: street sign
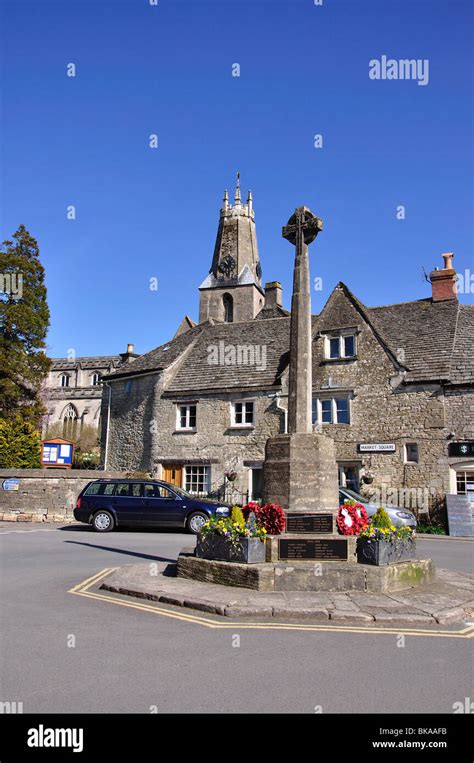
[[461, 449], [376, 447], [11, 484]]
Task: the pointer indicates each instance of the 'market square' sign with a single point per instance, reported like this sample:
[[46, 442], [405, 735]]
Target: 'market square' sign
[[376, 447]]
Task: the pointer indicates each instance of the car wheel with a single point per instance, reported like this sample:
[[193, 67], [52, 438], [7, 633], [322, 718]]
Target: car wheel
[[195, 521], [103, 522]]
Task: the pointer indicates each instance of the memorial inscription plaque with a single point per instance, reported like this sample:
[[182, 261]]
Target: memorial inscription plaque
[[309, 523], [313, 549]]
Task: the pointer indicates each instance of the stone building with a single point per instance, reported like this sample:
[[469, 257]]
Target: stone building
[[392, 385], [72, 392]]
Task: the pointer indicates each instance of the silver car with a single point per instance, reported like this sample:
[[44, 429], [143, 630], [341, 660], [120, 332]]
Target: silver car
[[398, 515]]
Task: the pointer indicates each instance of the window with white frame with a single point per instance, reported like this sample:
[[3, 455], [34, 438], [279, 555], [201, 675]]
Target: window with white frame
[[243, 413], [332, 410], [340, 346], [197, 479], [186, 417]]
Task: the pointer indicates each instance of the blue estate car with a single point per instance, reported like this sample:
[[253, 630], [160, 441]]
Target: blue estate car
[[107, 504]]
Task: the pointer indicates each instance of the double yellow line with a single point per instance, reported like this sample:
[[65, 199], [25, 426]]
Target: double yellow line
[[83, 589]]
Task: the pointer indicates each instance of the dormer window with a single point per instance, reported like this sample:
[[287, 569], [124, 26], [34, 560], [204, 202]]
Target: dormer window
[[340, 346]]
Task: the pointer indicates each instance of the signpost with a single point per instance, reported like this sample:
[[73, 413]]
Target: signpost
[[57, 453]]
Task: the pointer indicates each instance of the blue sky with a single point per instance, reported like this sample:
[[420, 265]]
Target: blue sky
[[167, 69]]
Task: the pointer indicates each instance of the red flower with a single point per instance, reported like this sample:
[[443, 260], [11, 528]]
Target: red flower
[[271, 516]]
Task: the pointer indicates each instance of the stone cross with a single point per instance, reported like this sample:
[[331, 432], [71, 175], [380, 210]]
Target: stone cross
[[301, 229]]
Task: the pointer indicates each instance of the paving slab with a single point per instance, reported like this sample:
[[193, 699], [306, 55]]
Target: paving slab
[[440, 602]]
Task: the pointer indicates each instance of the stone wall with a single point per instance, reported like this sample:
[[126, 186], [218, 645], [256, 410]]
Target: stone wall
[[45, 494], [130, 427]]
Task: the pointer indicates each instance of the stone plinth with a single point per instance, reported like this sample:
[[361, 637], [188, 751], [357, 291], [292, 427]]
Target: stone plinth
[[307, 576], [300, 473]]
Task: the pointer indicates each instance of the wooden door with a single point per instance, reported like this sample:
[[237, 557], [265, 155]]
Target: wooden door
[[173, 473]]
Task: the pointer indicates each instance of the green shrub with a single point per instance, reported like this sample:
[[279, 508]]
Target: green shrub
[[237, 516], [381, 519], [430, 529], [19, 444]]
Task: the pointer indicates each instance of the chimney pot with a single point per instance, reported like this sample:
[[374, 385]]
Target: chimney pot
[[448, 260], [130, 348]]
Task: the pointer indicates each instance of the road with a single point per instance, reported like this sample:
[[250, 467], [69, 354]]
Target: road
[[67, 653]]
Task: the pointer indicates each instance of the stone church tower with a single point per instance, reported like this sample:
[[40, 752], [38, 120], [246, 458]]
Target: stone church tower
[[233, 290]]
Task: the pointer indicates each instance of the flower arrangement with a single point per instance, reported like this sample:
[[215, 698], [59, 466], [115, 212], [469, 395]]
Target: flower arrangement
[[232, 530], [352, 518], [270, 516], [381, 528]]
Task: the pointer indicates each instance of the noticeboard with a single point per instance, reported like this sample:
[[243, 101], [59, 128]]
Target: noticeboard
[[57, 453]]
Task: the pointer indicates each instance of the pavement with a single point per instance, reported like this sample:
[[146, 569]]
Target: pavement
[[449, 599], [68, 646]]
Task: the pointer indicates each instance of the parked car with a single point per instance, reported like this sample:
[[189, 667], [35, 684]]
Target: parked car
[[398, 515], [107, 504]]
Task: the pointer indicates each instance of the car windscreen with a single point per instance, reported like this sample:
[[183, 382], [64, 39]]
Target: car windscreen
[[353, 494]]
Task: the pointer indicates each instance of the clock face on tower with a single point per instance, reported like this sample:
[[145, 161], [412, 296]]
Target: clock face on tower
[[227, 266]]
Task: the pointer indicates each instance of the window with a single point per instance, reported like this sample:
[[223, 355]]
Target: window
[[186, 417], [101, 488], [331, 410], [122, 490], [340, 346], [136, 489], [228, 303], [95, 379], [465, 484], [65, 380], [197, 479], [349, 476], [163, 492], [94, 489], [411, 453], [157, 491], [149, 491], [70, 423], [243, 414]]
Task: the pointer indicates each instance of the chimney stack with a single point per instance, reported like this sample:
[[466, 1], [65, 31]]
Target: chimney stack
[[130, 355], [273, 294], [443, 282]]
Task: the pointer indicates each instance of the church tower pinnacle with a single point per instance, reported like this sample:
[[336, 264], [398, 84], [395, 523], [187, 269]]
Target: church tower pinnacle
[[233, 289]]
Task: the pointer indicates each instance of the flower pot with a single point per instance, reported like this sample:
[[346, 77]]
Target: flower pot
[[381, 552], [246, 551]]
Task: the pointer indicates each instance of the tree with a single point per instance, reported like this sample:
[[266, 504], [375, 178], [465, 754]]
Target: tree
[[19, 444], [24, 322]]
